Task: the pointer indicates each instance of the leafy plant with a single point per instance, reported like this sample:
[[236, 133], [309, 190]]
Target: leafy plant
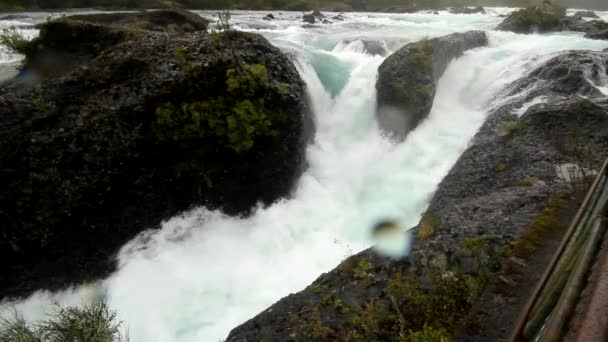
[[509, 129], [223, 22], [10, 38], [93, 323], [428, 225]]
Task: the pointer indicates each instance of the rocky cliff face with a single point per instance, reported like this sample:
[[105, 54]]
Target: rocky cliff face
[[142, 126], [491, 212], [408, 78]]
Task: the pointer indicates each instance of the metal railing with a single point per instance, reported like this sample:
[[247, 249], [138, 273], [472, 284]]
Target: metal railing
[[552, 305]]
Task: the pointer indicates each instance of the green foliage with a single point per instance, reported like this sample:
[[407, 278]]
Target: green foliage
[[542, 16], [600, 24], [236, 120], [358, 267], [510, 128], [93, 323], [17, 330], [223, 22], [13, 40], [502, 163], [428, 224], [545, 222], [429, 334], [478, 244], [528, 181]]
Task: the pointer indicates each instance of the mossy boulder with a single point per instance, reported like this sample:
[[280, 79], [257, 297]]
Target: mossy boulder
[[139, 131], [407, 79], [467, 10], [161, 20], [602, 34], [535, 19]]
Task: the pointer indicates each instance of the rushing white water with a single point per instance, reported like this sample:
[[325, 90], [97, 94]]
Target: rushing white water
[[204, 273]]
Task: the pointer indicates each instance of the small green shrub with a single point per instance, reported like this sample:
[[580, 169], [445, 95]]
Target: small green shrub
[[528, 181], [223, 22], [478, 244], [13, 40], [509, 129], [428, 224], [236, 120], [93, 323]]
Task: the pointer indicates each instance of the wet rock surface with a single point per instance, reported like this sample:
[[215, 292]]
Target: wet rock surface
[[141, 126], [501, 187], [162, 20], [408, 78], [467, 10]]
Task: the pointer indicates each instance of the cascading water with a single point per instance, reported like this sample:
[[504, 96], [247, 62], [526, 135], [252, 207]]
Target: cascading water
[[204, 273]]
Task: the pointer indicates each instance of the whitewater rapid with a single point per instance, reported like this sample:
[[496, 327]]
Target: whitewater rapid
[[203, 273]]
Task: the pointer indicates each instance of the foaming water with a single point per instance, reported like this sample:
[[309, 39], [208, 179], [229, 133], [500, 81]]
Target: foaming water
[[204, 273]]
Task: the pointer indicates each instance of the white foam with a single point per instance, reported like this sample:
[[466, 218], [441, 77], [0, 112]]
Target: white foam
[[204, 273]]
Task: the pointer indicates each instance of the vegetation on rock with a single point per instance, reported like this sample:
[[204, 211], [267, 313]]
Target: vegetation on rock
[[13, 40], [92, 323], [537, 18]]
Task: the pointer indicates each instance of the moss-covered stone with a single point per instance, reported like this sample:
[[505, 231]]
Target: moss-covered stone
[[407, 79], [540, 18], [139, 130]]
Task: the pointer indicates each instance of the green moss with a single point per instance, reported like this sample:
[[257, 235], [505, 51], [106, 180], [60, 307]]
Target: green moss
[[542, 17], [358, 268], [477, 244], [428, 224], [546, 222], [600, 24], [509, 129], [236, 121], [502, 163], [528, 181], [13, 40], [317, 289], [429, 334]]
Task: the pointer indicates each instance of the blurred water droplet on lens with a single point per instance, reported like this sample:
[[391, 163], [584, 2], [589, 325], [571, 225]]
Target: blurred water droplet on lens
[[391, 239]]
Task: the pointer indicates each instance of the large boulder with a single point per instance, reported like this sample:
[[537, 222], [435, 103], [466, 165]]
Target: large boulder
[[161, 20], [585, 14], [467, 10], [603, 34], [146, 125], [407, 79], [483, 229], [534, 19]]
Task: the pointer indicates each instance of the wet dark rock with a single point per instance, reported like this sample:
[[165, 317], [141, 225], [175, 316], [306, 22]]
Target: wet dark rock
[[585, 14], [374, 47], [475, 200], [269, 17], [407, 79], [339, 17], [93, 155], [162, 20], [467, 10], [14, 17], [313, 16], [534, 19], [309, 18], [603, 34]]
